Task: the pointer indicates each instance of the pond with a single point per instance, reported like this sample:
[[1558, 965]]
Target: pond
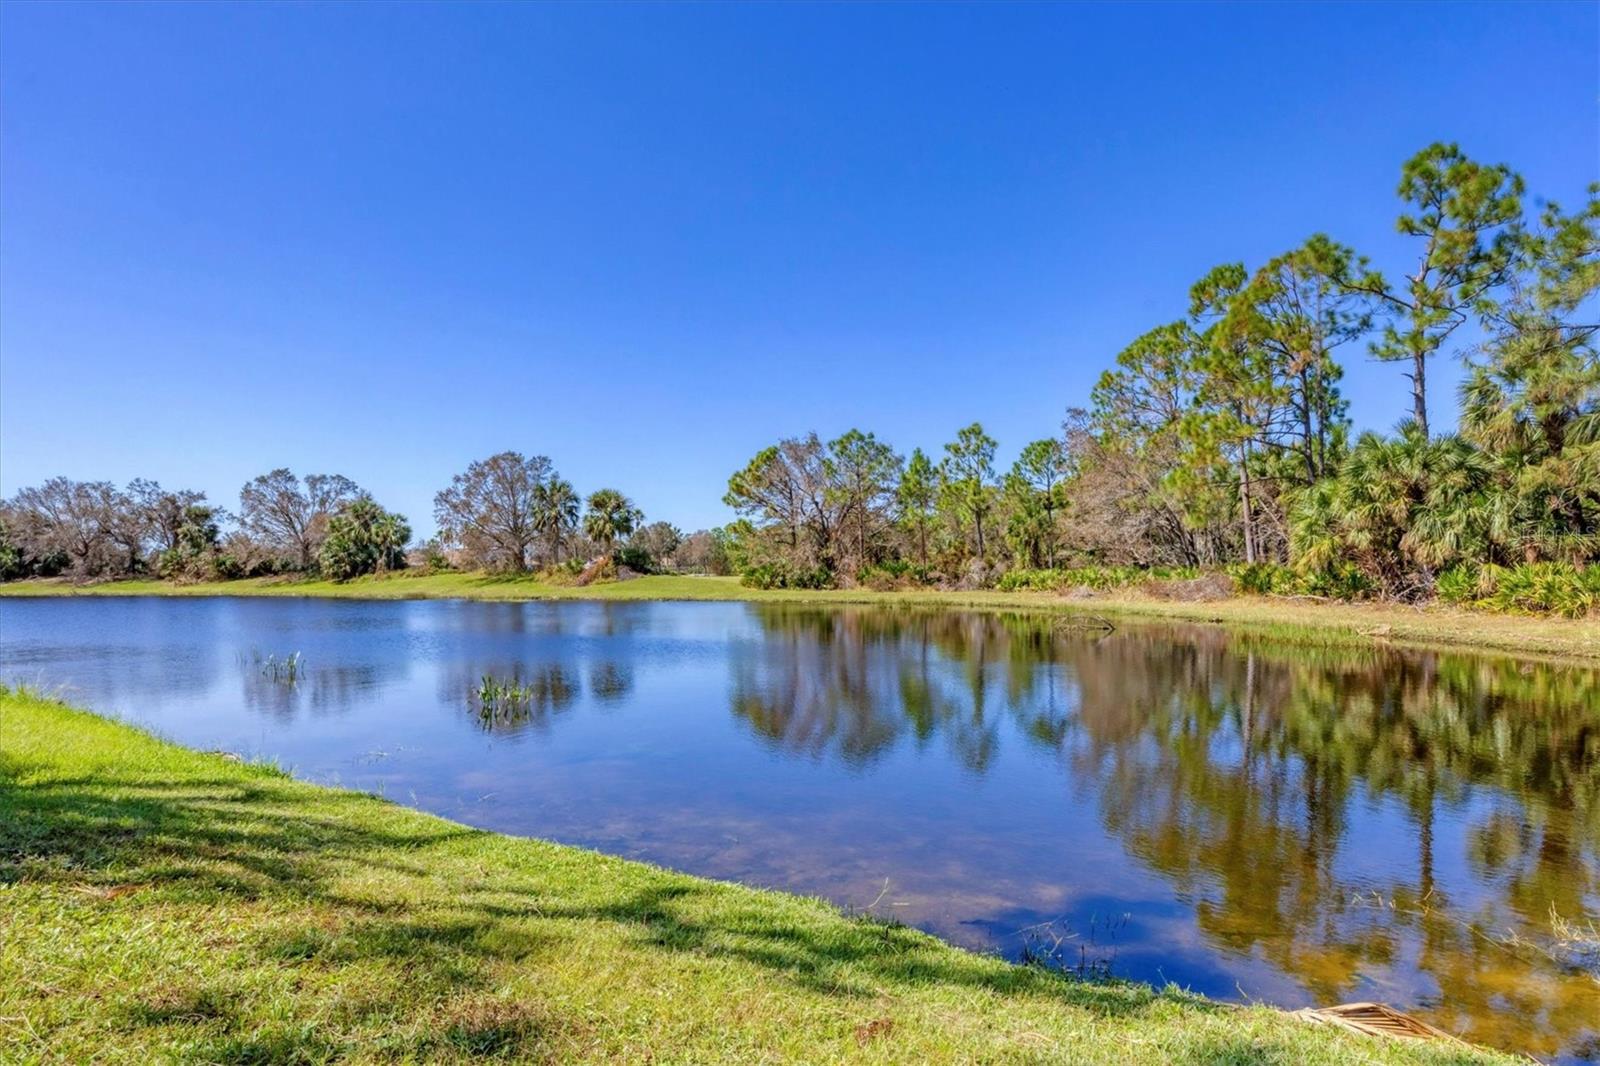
[[1246, 818]]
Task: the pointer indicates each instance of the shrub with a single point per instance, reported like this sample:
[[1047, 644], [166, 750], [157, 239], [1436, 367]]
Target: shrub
[[1531, 588], [363, 538], [1342, 581], [1458, 585], [1032, 580], [1547, 588], [1265, 579], [634, 558], [894, 574], [784, 576]]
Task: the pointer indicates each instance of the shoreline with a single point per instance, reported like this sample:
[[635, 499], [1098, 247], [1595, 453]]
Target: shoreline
[[1348, 624], [163, 899]]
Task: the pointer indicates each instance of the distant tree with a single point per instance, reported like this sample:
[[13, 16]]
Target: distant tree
[[165, 512], [363, 538], [556, 513], [491, 510], [1464, 215], [1531, 400], [704, 550], [917, 495], [1037, 481], [659, 540], [77, 520], [1242, 401], [611, 517], [1131, 467], [289, 517], [193, 544], [785, 493], [1297, 310], [862, 473], [967, 476]]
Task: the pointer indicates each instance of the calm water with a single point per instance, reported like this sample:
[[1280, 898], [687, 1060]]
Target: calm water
[[1241, 817]]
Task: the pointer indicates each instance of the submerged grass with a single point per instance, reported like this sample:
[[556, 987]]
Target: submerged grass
[[1290, 618], [157, 904]]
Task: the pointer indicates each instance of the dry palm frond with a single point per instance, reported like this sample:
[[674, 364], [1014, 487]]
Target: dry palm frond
[[1374, 1019]]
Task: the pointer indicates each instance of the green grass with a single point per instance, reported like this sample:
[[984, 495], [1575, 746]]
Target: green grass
[[1293, 619], [157, 904]]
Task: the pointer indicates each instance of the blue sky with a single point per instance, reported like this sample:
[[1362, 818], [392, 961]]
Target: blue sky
[[646, 241]]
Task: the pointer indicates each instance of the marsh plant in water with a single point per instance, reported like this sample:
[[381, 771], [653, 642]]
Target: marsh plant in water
[[497, 697], [286, 669]]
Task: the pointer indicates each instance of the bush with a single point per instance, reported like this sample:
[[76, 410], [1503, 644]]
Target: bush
[[784, 576], [363, 538], [1265, 579], [1531, 588], [1546, 588], [1031, 580], [1099, 578], [893, 574], [635, 558], [1342, 581], [1457, 585]]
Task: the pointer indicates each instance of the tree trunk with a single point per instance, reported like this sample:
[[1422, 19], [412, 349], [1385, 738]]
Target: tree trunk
[[1305, 422], [1419, 391], [1244, 507]]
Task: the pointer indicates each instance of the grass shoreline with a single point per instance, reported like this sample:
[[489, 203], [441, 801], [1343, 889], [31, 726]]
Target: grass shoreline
[[1434, 626], [157, 902]]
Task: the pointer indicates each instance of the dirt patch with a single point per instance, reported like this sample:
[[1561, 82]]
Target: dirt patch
[[1203, 589], [876, 1029]]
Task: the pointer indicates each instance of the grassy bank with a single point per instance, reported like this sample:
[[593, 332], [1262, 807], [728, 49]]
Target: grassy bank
[[157, 904], [1355, 623]]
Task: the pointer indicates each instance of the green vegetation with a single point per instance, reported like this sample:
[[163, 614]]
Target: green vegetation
[[1218, 440], [161, 904]]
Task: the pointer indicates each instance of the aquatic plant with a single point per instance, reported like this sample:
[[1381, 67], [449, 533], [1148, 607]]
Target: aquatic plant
[[501, 698], [286, 669]]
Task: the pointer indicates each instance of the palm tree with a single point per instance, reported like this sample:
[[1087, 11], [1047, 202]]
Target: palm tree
[[1400, 508], [1535, 405], [555, 513], [612, 516], [390, 533]]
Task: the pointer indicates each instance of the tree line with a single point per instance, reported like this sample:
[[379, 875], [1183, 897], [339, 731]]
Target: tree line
[[1218, 439], [1222, 437], [508, 512]]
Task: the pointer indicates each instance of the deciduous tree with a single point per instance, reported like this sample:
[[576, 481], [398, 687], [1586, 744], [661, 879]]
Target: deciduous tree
[[491, 510]]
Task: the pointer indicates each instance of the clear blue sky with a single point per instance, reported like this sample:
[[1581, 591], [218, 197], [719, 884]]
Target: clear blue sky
[[646, 241]]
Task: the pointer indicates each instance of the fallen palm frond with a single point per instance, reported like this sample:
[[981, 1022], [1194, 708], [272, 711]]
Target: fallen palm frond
[[1374, 1019]]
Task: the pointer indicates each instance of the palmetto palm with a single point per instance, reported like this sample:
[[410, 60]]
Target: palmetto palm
[[1400, 508], [555, 513], [611, 517], [1534, 404]]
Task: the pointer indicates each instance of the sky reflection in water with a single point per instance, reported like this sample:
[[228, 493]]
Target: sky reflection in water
[[1171, 803]]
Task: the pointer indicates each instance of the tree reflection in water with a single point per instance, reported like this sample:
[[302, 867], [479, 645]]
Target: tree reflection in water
[[1261, 780]]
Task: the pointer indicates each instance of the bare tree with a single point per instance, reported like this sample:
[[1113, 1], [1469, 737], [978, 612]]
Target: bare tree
[[77, 519], [164, 512], [492, 511], [290, 518], [789, 490]]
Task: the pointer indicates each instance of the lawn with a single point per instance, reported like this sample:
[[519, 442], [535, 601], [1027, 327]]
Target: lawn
[[158, 904], [1289, 618]]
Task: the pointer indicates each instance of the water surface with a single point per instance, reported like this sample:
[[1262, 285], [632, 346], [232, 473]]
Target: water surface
[[1242, 817]]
